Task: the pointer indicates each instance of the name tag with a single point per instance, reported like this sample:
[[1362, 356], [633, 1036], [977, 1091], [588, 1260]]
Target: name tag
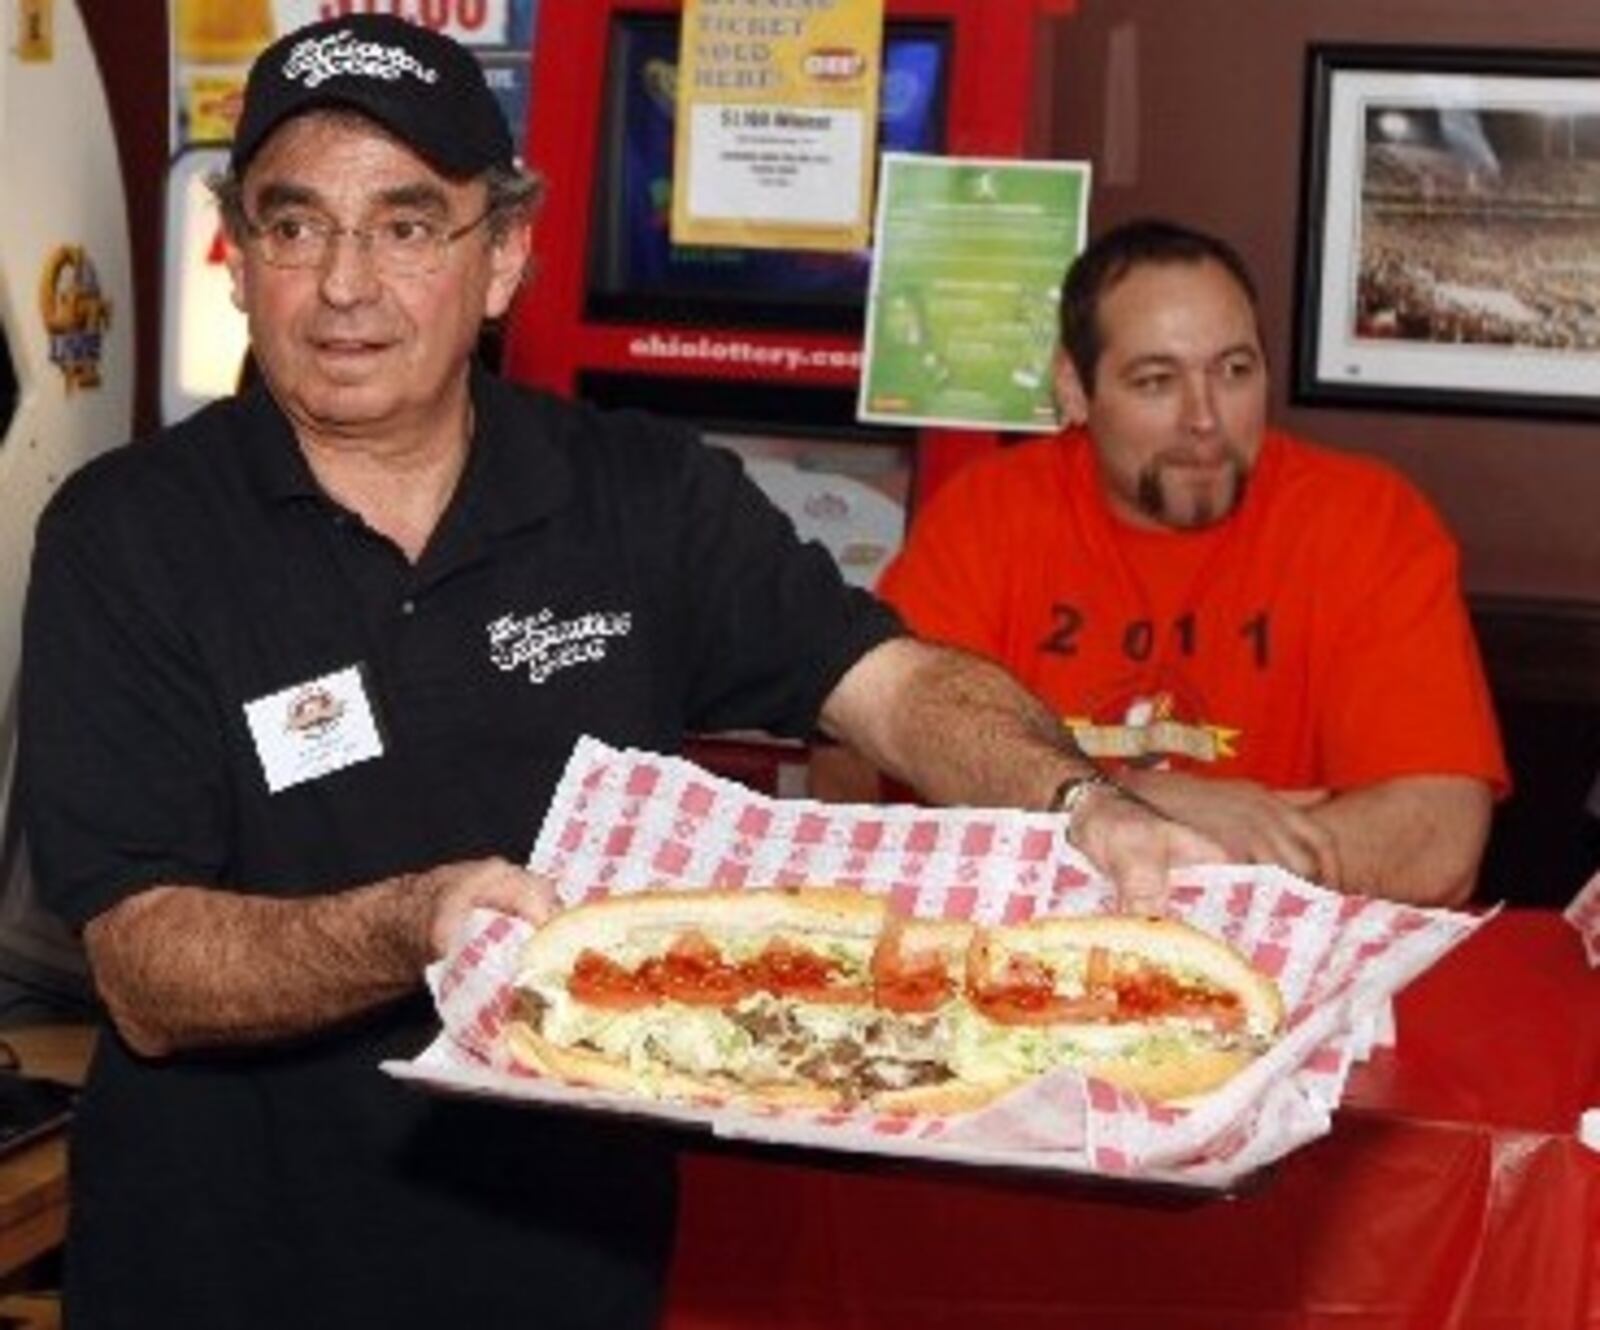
[[311, 729]]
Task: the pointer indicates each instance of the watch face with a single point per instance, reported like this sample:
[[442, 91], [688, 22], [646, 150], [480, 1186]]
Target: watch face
[[1070, 794]]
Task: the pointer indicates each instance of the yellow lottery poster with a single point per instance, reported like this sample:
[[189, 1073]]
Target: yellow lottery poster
[[777, 123]]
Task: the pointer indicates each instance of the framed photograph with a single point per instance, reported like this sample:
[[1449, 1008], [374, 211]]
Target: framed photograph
[[1450, 231]]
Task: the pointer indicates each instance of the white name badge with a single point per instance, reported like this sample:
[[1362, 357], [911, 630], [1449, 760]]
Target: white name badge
[[311, 729]]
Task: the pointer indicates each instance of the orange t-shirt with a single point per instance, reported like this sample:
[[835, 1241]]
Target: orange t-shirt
[[1317, 638]]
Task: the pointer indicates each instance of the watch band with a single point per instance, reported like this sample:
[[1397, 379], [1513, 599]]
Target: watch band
[[1069, 796]]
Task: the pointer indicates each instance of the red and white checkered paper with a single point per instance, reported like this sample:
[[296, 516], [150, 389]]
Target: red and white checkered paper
[[1584, 915], [626, 821]]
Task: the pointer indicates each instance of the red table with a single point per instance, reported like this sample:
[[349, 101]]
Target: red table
[[1451, 1195]]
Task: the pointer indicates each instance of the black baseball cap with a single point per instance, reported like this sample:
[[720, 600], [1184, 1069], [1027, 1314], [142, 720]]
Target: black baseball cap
[[423, 87]]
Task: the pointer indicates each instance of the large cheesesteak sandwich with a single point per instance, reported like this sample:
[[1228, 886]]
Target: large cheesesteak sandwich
[[820, 997]]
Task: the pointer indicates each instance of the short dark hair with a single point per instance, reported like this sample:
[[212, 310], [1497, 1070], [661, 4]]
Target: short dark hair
[[1143, 242]]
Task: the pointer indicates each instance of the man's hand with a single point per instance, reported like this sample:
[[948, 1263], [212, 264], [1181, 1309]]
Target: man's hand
[[959, 730], [1251, 823], [453, 891], [1410, 838], [1136, 847]]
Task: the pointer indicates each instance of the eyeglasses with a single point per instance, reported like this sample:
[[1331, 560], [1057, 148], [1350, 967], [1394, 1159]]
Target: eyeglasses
[[406, 246]]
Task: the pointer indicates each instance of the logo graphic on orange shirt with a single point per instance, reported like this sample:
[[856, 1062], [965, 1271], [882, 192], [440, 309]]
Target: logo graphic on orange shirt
[[1150, 732]]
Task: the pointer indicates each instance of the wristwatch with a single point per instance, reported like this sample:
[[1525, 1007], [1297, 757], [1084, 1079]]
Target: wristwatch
[[1069, 796]]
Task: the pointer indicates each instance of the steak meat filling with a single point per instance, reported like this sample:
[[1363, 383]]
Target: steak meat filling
[[779, 1046]]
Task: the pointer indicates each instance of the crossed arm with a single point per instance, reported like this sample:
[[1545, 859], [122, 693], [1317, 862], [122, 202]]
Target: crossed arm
[[1410, 838]]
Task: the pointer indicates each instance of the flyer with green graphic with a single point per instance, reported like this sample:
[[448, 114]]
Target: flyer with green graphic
[[962, 311]]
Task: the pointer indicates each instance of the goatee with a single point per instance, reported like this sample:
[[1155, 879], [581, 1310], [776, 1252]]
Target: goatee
[[1203, 509]]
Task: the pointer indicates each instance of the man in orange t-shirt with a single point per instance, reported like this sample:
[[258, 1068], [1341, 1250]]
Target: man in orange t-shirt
[[1263, 638]]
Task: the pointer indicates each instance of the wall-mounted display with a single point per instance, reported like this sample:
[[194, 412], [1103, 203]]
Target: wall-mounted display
[[966, 289], [1450, 231]]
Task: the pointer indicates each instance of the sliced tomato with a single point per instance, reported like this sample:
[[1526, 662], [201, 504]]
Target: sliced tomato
[[1019, 1004], [914, 992], [1023, 992], [1020, 971], [693, 971], [1145, 991], [908, 981], [1026, 972], [785, 966], [599, 981], [696, 976], [787, 969]]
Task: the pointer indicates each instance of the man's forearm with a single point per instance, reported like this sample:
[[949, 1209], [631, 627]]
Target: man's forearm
[[962, 731], [1414, 838], [183, 967], [954, 726]]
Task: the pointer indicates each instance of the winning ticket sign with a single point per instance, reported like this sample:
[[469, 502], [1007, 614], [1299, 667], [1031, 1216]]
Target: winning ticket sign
[[777, 123]]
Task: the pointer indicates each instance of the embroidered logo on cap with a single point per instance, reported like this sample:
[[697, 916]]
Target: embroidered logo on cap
[[318, 59]]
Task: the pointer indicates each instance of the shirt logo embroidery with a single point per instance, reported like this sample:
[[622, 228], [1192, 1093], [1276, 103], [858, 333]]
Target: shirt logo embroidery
[[547, 645], [318, 59]]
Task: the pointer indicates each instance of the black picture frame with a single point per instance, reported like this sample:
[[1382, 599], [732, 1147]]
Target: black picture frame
[[1449, 235]]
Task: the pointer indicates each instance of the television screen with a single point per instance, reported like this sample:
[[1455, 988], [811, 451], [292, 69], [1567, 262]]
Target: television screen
[[635, 270]]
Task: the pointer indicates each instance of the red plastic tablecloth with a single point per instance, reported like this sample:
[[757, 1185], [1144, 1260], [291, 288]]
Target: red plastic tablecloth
[[1452, 1194]]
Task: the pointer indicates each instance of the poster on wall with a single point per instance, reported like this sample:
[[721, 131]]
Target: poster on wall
[[776, 123], [1449, 232], [966, 281], [214, 41]]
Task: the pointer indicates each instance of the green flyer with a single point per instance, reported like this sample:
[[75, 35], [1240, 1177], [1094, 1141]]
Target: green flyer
[[962, 313]]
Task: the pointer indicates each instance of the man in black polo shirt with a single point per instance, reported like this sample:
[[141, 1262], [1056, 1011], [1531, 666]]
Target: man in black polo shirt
[[299, 678]]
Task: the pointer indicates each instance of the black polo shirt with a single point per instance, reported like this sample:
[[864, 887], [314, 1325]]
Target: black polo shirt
[[601, 574]]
